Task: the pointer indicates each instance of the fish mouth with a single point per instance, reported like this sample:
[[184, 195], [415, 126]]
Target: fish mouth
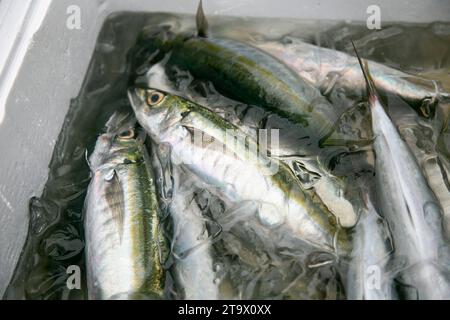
[[136, 95]]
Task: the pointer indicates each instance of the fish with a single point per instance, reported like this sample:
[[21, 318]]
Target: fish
[[368, 277], [258, 270], [426, 140], [443, 171], [238, 174], [244, 73], [438, 179], [311, 170], [334, 72], [408, 205], [125, 245], [192, 243]]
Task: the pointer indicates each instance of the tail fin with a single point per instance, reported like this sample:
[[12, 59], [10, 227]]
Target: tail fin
[[202, 23], [371, 90]]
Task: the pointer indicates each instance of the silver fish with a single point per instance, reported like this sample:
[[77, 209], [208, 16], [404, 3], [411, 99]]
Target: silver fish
[[333, 71], [427, 142], [192, 245], [408, 205], [311, 171], [368, 277], [295, 215], [125, 246]]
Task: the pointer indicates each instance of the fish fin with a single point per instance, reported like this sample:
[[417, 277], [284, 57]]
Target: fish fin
[[371, 90], [202, 23], [114, 198], [86, 157]]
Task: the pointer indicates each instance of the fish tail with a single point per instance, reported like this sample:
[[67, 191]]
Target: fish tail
[[202, 23], [371, 89]]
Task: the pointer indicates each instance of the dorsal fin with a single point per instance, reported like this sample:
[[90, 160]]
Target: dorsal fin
[[202, 23], [371, 90]]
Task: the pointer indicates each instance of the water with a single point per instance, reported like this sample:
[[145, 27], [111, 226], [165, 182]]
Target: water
[[245, 265]]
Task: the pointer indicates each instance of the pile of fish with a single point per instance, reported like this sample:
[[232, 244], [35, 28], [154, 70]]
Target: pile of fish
[[249, 167]]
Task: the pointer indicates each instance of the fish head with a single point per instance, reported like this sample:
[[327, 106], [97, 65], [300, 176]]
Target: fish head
[[121, 144], [158, 112], [101, 151]]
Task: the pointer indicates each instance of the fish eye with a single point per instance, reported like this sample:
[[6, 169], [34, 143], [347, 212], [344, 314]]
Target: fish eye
[[154, 97], [127, 134]]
